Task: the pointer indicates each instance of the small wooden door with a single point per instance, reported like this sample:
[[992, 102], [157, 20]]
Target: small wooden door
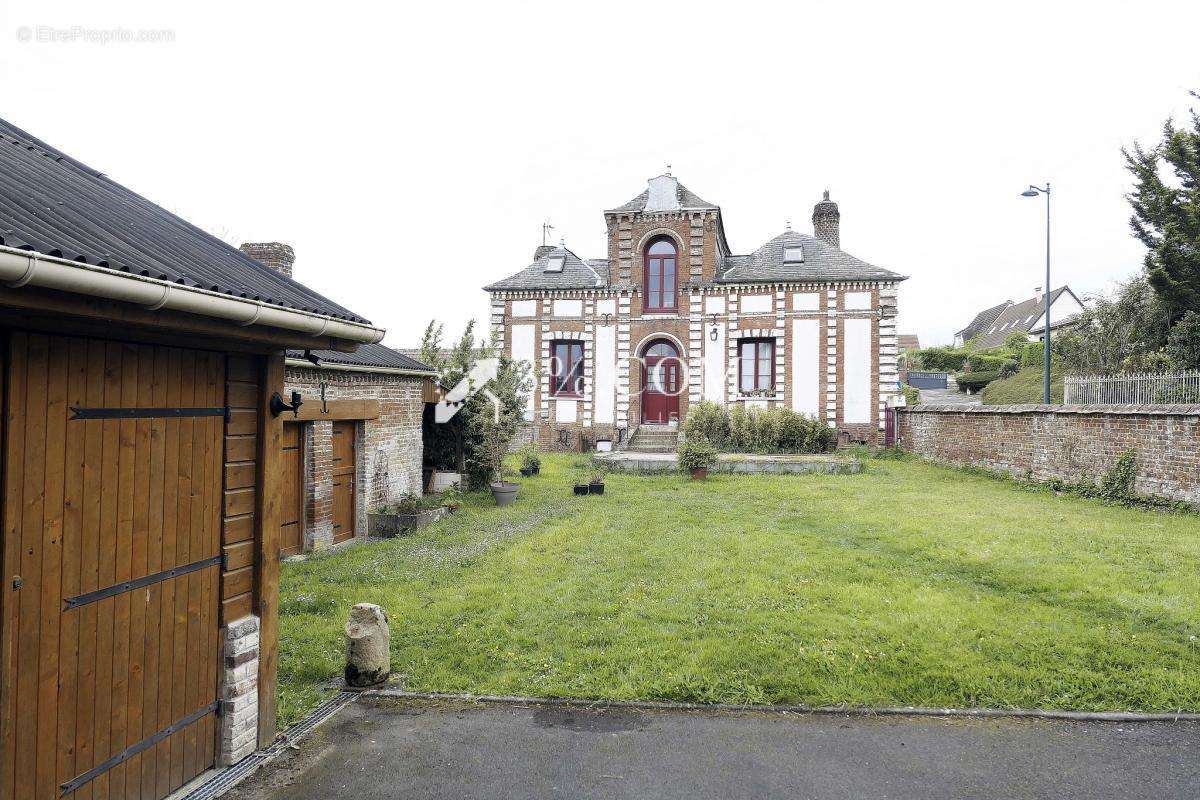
[[111, 562], [662, 380], [291, 514], [343, 480]]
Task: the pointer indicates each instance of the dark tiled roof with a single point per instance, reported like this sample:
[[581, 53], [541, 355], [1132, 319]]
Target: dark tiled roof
[[576, 274], [688, 201], [54, 205], [982, 320], [367, 355], [822, 262], [1016, 318]]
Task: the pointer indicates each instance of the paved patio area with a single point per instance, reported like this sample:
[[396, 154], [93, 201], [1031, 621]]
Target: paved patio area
[[386, 748]]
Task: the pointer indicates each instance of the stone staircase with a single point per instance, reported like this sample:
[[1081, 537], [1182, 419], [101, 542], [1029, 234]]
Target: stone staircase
[[654, 439]]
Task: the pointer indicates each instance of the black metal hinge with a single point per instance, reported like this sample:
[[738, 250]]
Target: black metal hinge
[[137, 583], [148, 413], [129, 752]]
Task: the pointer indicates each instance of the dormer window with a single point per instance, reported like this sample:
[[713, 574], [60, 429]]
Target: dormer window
[[555, 263], [793, 254]]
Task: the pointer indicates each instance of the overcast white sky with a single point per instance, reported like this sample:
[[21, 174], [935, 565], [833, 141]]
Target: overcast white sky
[[410, 152]]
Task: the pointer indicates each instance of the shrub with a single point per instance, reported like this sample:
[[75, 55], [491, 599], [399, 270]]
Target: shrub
[[707, 420], [912, 395], [775, 430], [974, 381], [1033, 355], [529, 457], [941, 359], [696, 453], [980, 362], [1177, 394], [1117, 484]]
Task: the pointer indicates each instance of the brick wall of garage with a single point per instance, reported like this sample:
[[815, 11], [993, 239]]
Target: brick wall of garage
[[389, 449]]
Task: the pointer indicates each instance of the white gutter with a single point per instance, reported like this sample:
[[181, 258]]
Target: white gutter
[[325, 365], [25, 268]]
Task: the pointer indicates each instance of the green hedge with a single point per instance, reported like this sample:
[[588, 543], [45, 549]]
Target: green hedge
[[975, 381], [940, 359], [755, 430], [982, 362]]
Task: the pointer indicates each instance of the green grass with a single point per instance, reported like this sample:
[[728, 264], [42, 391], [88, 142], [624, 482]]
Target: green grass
[[1024, 387], [906, 584]]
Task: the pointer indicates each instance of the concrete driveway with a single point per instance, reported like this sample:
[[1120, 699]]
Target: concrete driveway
[[385, 748]]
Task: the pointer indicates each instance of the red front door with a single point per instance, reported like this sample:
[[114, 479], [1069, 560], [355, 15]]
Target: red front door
[[662, 380]]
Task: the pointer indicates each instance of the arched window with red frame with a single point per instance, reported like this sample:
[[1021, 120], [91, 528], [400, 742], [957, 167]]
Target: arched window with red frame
[[661, 276]]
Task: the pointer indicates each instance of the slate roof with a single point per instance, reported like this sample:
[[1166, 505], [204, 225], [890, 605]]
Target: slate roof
[[982, 320], [822, 262], [688, 201], [1017, 318], [367, 355], [577, 273], [54, 205]]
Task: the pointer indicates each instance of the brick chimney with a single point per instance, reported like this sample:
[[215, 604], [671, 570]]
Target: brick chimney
[[827, 222], [276, 255], [542, 249]]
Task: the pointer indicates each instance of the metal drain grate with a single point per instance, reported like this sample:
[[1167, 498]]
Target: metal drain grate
[[226, 779]]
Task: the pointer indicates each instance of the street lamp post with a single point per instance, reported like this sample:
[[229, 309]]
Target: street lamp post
[[1034, 191]]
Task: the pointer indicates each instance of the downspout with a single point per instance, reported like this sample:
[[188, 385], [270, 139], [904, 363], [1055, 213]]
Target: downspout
[[20, 268]]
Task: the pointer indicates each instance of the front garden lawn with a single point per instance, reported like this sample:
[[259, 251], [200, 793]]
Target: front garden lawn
[[908, 584]]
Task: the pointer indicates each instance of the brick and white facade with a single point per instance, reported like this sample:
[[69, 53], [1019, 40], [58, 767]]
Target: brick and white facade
[[829, 320]]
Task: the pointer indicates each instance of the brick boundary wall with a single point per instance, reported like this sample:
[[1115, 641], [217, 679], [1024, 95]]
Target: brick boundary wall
[[1064, 442]]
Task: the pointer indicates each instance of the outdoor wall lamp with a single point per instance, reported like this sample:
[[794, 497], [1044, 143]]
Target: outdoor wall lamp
[[712, 335], [278, 406], [607, 319]]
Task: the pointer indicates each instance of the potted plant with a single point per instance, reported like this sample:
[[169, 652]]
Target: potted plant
[[504, 491], [596, 482], [407, 514], [531, 462], [696, 455], [581, 480]]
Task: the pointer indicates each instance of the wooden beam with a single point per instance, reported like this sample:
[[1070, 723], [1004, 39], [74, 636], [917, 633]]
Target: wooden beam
[[266, 539], [333, 409]]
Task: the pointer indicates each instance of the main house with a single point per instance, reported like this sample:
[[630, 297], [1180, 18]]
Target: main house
[[673, 316]]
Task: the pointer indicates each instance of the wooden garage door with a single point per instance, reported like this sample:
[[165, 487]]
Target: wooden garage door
[[343, 480], [291, 486], [110, 594]]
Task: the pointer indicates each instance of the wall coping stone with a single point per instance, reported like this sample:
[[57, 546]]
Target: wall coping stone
[[1175, 410]]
